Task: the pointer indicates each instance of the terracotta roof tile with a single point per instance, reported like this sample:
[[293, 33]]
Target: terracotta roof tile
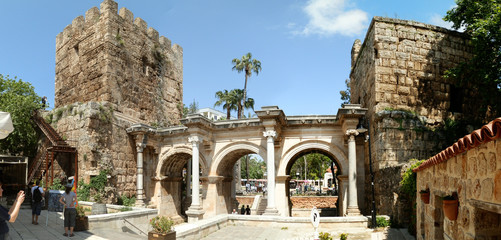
[[483, 135]]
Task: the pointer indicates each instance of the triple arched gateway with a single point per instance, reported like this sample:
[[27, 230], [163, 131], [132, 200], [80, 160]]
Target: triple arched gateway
[[208, 152]]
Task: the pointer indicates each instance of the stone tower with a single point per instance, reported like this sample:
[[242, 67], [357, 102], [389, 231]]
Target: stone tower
[[112, 57], [397, 73], [113, 71]]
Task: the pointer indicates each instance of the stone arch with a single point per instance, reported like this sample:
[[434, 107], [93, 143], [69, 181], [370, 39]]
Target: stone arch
[[168, 163], [226, 157], [326, 148], [284, 204]]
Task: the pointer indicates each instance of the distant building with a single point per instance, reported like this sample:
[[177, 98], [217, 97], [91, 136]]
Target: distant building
[[212, 114]]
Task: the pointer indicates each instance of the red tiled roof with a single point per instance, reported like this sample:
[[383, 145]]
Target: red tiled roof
[[485, 134]]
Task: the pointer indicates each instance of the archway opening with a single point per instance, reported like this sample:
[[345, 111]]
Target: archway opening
[[236, 189], [175, 183], [313, 183]]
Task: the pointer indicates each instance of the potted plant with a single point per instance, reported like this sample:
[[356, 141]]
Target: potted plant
[[425, 196], [82, 221], [162, 229], [450, 205]]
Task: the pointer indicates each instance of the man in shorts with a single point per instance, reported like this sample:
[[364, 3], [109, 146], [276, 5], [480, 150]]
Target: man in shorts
[[37, 195]]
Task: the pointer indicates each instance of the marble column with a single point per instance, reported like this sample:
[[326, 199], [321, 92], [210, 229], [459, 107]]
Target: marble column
[[352, 174], [195, 211], [271, 208], [188, 180], [140, 179]]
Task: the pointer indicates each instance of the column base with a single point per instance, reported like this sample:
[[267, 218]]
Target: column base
[[140, 203], [195, 213], [353, 211], [271, 212]]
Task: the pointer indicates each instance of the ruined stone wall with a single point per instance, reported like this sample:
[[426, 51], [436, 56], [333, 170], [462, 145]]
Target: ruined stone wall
[[397, 73], [400, 66], [476, 178], [309, 202], [115, 58], [102, 143]]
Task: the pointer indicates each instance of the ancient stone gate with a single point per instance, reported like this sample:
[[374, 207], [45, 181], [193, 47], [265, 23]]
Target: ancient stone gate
[[211, 150]]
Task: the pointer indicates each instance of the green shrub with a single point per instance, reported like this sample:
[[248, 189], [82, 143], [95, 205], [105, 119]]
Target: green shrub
[[382, 222], [56, 185], [324, 236], [343, 236], [126, 201], [161, 224]]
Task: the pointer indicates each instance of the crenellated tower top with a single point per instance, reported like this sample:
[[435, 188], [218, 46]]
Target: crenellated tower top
[[109, 55]]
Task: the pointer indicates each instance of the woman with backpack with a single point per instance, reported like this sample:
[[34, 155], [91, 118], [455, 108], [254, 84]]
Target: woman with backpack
[[37, 194], [9, 215]]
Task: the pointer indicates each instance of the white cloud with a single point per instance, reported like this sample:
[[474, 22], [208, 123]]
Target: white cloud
[[328, 17]]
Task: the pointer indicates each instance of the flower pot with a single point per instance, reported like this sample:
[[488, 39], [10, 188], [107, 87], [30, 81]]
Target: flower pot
[[451, 209], [162, 236], [81, 224], [425, 197]]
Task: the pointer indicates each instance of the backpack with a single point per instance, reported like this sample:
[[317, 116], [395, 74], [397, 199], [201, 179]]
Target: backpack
[[37, 195]]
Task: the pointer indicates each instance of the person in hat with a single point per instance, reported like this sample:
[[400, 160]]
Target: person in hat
[[69, 200]]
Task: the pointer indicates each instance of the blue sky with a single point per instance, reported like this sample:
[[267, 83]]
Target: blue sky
[[304, 46]]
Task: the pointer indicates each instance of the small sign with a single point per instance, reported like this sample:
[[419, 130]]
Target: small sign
[[53, 201], [315, 217]]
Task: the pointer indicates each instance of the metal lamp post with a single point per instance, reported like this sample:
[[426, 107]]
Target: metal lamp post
[[361, 129]]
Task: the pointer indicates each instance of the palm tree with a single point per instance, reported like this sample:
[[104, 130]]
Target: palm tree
[[249, 65], [227, 100], [238, 96]]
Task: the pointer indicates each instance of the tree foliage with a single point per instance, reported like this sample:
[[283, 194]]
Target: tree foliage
[[233, 100], [257, 167], [19, 99], [481, 21], [312, 165], [248, 65], [345, 94]]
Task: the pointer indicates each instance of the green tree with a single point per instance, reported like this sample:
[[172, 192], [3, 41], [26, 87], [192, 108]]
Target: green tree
[[238, 98], [248, 65], [20, 100], [346, 94], [193, 108], [226, 99], [312, 165], [481, 21], [257, 167]]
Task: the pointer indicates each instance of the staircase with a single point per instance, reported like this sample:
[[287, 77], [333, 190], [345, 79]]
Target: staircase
[[40, 160], [263, 202], [53, 143]]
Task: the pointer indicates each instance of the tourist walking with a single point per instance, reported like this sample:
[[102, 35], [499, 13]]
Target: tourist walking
[[37, 195], [69, 200], [9, 215]]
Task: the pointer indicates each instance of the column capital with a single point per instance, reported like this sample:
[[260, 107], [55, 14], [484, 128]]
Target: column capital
[[193, 139], [270, 133], [140, 147], [351, 132]]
